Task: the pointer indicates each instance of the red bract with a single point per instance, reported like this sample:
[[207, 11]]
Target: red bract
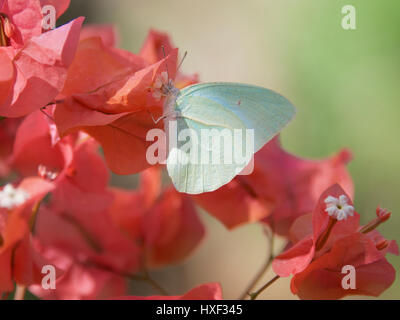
[[282, 187], [166, 223], [152, 48], [73, 163], [208, 291], [235, 204], [34, 64], [114, 103], [89, 238], [8, 128], [172, 229], [107, 33], [79, 282], [322, 278], [33, 148], [19, 261], [323, 245], [141, 230], [80, 199]]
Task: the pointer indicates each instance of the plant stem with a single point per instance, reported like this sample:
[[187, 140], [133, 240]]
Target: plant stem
[[254, 295], [154, 284], [263, 269], [5, 296], [323, 238], [135, 277], [20, 292], [32, 220], [149, 280], [257, 277]]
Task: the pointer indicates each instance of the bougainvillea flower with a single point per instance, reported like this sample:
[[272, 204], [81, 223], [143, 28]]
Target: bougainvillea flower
[[207, 291], [330, 239], [34, 63], [72, 163], [129, 206], [281, 188], [166, 223], [8, 129], [172, 229], [114, 104], [323, 278], [91, 238], [19, 261], [142, 229], [152, 48], [79, 282]]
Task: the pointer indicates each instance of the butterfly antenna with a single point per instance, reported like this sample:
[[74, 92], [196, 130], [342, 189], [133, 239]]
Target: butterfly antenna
[[166, 64], [183, 58]]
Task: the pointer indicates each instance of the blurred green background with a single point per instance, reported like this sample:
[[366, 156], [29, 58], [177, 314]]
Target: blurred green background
[[345, 84]]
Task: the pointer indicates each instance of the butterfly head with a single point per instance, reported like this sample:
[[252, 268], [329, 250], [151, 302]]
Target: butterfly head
[[163, 86]]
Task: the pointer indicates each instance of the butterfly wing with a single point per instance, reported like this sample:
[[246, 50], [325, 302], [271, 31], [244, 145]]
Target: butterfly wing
[[224, 109]]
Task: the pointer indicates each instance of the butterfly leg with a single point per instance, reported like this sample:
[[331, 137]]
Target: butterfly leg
[[152, 117], [174, 113]]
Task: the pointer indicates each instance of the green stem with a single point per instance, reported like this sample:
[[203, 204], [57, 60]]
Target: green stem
[[262, 271], [143, 278], [20, 292], [154, 284], [254, 295], [264, 268], [5, 296], [33, 218], [256, 279]]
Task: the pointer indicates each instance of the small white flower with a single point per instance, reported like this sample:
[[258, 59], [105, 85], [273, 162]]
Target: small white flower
[[338, 207], [11, 197]]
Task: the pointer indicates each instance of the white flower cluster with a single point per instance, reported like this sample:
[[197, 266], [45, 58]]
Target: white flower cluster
[[11, 197]]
